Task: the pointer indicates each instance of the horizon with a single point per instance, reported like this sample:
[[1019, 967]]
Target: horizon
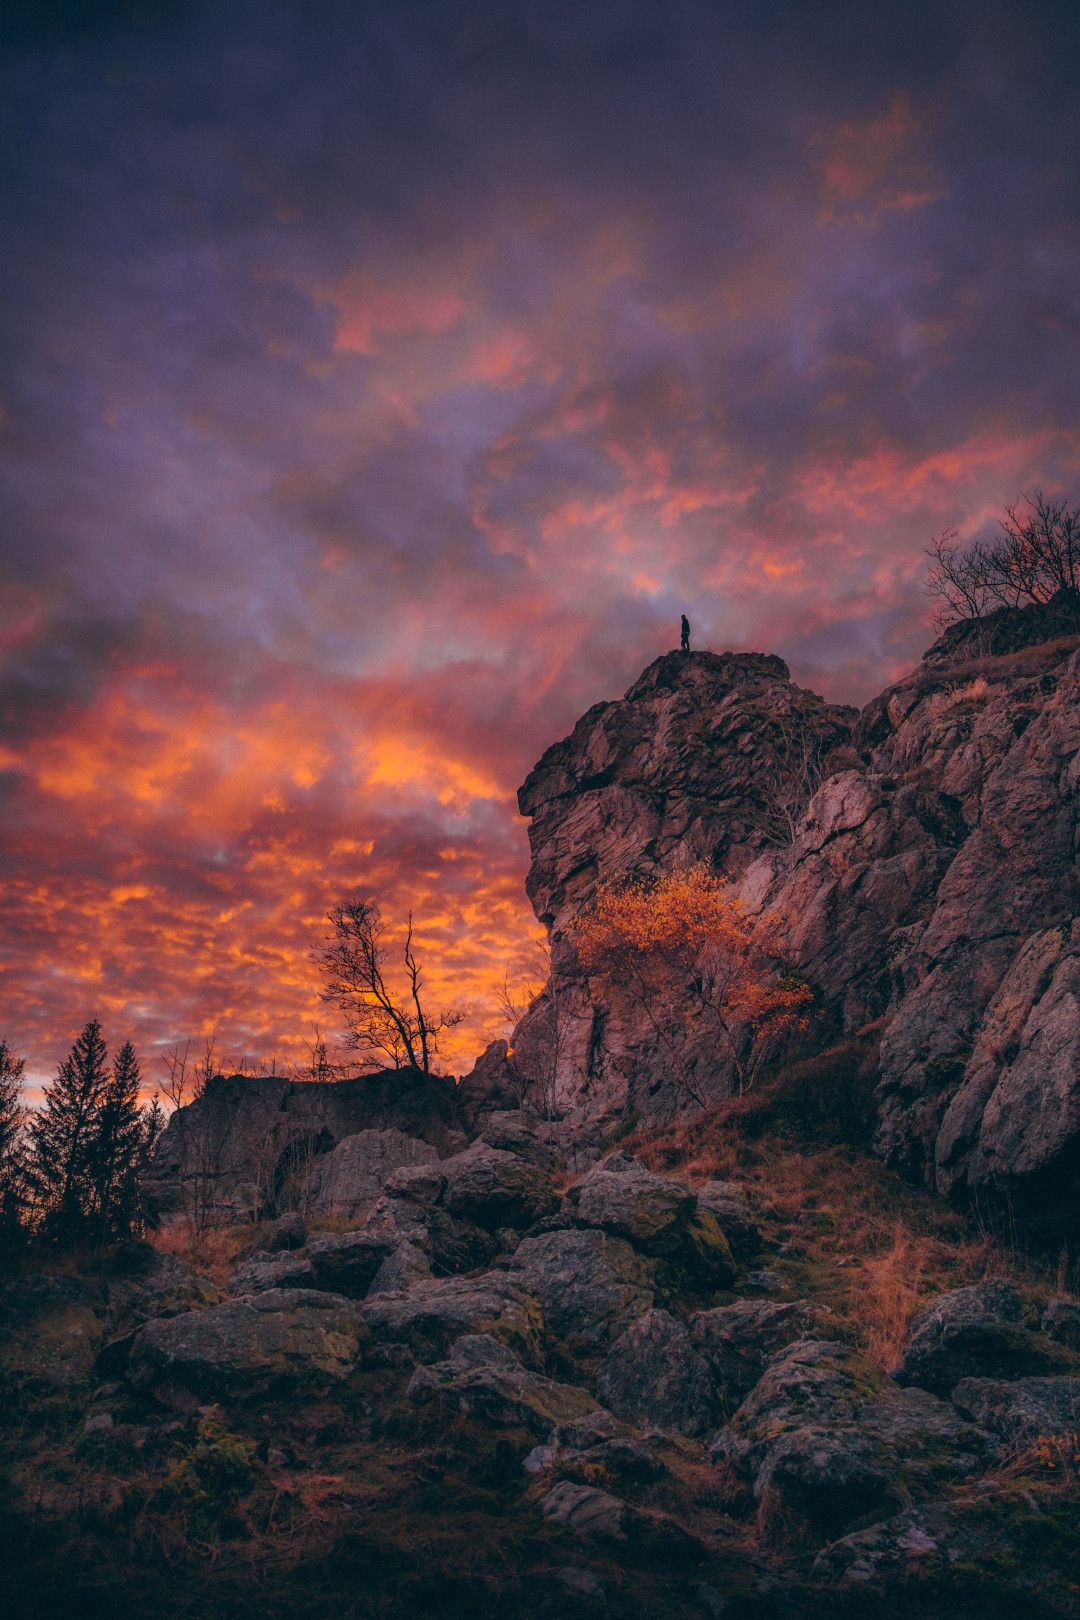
[[379, 388]]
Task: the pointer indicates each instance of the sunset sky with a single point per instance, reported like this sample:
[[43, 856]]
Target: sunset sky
[[379, 383]]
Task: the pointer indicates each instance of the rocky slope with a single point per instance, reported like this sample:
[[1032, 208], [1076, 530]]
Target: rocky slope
[[930, 882], [490, 1396]]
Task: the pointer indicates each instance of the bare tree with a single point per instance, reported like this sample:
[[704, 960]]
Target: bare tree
[[792, 778], [387, 1022], [201, 1131], [1034, 557]]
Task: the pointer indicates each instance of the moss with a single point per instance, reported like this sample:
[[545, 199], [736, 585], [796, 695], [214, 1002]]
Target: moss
[[205, 1486]]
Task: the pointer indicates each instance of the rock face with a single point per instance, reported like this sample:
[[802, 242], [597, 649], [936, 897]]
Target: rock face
[[351, 1177], [249, 1140], [932, 882], [680, 770], [268, 1343]]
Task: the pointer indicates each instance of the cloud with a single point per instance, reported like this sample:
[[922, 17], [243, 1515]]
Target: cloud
[[380, 387]]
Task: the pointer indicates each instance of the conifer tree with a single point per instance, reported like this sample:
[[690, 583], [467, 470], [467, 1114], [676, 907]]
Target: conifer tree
[[116, 1150], [12, 1160], [63, 1137]]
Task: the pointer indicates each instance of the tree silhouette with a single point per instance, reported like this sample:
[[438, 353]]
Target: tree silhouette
[[116, 1150], [387, 1023], [63, 1137], [12, 1159]]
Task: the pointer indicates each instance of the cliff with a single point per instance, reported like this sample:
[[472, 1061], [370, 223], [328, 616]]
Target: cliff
[[931, 883]]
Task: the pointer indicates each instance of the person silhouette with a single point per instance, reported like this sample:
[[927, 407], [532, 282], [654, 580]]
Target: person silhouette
[[685, 643]]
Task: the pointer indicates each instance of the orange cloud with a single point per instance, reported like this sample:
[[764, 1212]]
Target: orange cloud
[[876, 166]]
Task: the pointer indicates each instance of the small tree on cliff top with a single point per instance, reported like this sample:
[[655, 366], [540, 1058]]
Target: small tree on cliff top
[[683, 947], [388, 1023]]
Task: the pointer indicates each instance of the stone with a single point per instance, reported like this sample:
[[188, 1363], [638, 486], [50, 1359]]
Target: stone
[[451, 1245], [1021, 1410], [269, 1344], [140, 1281], [492, 1188], [428, 1317], [737, 1341], [586, 1511], [350, 1178], [51, 1331], [654, 1378], [975, 1332], [287, 1232], [486, 1381], [346, 1262], [421, 1184], [1005, 1551], [590, 1285], [403, 1268], [514, 1131], [731, 1206], [1061, 1321], [596, 1515], [824, 1438], [623, 1197], [260, 1271]]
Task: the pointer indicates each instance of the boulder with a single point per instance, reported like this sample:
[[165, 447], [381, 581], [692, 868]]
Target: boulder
[[600, 1440], [1061, 1321], [140, 1281], [287, 1232], [623, 1197], [1006, 1551], [346, 1262], [655, 1378], [351, 1177], [403, 1268], [428, 1317], [51, 1331], [596, 1515], [486, 1381], [590, 1285], [729, 1203], [586, 1511], [736, 1341], [272, 1343], [492, 1188], [260, 1271], [668, 776], [419, 1184], [451, 1245], [516, 1132], [1021, 1410], [824, 1438], [975, 1332]]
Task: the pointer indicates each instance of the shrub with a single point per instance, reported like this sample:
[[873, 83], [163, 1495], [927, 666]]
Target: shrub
[[205, 1486]]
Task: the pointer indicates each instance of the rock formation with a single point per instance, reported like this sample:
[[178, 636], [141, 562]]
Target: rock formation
[[930, 882]]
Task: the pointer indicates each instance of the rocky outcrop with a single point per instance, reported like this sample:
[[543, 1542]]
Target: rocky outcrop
[[350, 1177], [266, 1344], [930, 883], [704, 759], [250, 1141]]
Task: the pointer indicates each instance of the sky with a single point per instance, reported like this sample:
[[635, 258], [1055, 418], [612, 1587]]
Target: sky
[[378, 384]]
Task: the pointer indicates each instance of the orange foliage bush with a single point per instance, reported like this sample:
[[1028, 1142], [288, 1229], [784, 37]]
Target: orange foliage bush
[[685, 945]]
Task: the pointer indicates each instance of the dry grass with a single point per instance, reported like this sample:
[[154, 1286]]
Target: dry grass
[[213, 1252]]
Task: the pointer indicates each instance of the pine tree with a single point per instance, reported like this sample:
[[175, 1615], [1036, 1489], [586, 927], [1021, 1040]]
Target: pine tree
[[153, 1121], [116, 1150], [63, 1137], [12, 1158]]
